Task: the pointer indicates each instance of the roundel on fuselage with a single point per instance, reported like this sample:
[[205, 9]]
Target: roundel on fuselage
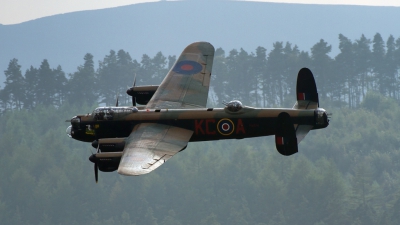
[[225, 127]]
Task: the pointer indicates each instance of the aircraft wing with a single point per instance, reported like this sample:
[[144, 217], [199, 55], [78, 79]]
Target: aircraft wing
[[186, 84], [150, 145]]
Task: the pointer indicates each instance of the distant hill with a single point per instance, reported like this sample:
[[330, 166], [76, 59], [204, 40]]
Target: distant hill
[[170, 26]]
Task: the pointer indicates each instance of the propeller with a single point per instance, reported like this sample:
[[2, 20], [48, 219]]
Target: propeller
[[117, 100], [96, 172], [329, 116], [133, 98], [130, 91], [96, 167], [94, 160]]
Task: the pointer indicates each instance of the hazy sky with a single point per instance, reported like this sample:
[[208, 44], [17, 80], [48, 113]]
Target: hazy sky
[[17, 11]]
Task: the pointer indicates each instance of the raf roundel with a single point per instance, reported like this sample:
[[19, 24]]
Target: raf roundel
[[225, 127], [187, 67]]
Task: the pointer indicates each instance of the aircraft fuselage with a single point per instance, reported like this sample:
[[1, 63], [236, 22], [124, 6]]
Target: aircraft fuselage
[[206, 124]]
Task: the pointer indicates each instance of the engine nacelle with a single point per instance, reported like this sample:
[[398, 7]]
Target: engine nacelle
[[109, 144], [142, 94], [106, 162]]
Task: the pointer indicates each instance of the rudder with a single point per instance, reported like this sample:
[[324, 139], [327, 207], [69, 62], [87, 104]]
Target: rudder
[[285, 136], [306, 90]]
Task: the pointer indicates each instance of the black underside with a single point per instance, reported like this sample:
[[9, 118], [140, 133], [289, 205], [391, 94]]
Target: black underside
[[203, 129]]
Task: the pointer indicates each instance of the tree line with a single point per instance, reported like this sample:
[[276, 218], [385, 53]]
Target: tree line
[[259, 78], [348, 173]]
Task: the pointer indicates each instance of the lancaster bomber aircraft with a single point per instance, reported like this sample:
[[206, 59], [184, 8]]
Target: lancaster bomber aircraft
[[137, 140]]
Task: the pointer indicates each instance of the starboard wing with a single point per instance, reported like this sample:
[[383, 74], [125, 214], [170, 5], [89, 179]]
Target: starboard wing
[[150, 145], [187, 83]]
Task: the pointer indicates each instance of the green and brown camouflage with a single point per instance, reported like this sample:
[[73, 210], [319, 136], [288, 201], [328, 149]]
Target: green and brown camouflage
[[188, 82], [206, 123], [137, 140]]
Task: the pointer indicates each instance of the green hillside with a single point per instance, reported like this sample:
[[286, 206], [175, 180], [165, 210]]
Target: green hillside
[[347, 173]]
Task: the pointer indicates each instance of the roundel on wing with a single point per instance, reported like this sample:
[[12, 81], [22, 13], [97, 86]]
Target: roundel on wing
[[187, 67], [225, 127]]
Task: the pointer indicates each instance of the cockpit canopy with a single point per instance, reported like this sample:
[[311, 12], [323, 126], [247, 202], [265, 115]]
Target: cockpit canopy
[[110, 113]]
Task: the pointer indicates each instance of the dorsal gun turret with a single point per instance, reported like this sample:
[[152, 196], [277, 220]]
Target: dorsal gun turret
[[233, 106]]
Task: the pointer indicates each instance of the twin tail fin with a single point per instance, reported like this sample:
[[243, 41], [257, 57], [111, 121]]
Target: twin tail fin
[[288, 135]]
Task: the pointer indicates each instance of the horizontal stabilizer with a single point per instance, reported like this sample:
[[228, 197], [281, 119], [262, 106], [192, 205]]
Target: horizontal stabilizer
[[302, 131], [285, 136]]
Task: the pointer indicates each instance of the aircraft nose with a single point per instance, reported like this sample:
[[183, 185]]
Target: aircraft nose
[[69, 131]]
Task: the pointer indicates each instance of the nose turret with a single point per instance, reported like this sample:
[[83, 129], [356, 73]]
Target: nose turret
[[75, 123], [69, 131]]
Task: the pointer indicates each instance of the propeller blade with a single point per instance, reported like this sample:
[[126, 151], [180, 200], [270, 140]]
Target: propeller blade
[[96, 172], [133, 98], [117, 99]]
